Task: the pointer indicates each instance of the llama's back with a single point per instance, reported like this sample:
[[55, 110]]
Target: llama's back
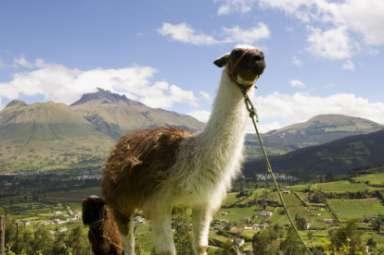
[[138, 165]]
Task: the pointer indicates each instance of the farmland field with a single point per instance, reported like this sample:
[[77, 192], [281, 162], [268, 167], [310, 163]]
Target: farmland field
[[348, 209], [247, 212], [340, 187], [371, 179]]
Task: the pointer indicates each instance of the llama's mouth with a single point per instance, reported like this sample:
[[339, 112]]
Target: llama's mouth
[[246, 83]]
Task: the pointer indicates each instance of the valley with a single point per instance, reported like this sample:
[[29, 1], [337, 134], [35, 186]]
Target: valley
[[330, 167], [250, 208]]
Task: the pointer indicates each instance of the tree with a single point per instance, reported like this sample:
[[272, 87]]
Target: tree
[[347, 239], [182, 235], [301, 222], [266, 242], [59, 245], [378, 223], [78, 241], [310, 236], [292, 244], [372, 244], [317, 197]]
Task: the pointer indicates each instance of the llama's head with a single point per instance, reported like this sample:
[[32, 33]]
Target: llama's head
[[93, 209], [244, 65]]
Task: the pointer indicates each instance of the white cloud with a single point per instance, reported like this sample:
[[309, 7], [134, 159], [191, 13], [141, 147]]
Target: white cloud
[[296, 61], [201, 115], [297, 84], [348, 65], [250, 35], [184, 33], [363, 17], [62, 84], [205, 95], [362, 21], [22, 62], [332, 44], [277, 110], [230, 6]]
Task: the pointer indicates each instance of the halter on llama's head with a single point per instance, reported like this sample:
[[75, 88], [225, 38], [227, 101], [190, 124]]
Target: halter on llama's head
[[244, 65]]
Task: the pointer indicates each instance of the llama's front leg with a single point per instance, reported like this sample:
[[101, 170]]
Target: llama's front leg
[[201, 220], [161, 221], [127, 231]]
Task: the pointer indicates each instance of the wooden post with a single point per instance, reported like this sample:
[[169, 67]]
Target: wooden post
[[2, 235]]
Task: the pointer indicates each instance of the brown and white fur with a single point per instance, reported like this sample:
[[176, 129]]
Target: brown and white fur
[[156, 170], [103, 233]]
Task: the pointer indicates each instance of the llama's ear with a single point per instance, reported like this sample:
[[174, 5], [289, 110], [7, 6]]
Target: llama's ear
[[222, 61]]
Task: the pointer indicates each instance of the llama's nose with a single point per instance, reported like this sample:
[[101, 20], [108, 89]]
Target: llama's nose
[[257, 61]]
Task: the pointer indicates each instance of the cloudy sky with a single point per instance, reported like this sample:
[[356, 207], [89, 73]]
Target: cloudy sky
[[323, 56]]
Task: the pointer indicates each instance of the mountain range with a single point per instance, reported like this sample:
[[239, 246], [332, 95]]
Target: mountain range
[[318, 130], [340, 158], [55, 136]]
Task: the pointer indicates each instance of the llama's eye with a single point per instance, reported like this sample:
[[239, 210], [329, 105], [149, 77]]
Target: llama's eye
[[237, 53]]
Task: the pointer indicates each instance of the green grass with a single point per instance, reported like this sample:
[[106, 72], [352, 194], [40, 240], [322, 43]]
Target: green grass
[[340, 187], [76, 195], [371, 179], [300, 187], [236, 214], [347, 209], [230, 199], [320, 238]]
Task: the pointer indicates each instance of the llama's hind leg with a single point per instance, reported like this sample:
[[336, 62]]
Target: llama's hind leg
[[127, 231], [201, 220], [161, 224]]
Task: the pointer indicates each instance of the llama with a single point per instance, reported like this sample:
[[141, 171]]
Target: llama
[[156, 170], [103, 232]]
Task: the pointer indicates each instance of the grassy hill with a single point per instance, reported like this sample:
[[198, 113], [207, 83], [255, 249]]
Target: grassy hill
[[116, 115], [335, 159], [55, 136], [48, 136], [318, 130]]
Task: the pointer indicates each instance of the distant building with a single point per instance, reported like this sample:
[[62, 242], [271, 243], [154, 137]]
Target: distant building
[[239, 242], [265, 213]]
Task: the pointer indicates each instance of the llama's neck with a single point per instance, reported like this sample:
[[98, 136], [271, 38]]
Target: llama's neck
[[224, 134]]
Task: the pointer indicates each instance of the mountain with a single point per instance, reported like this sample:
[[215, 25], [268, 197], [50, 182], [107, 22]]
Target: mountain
[[335, 159], [318, 130], [49, 135], [54, 136], [115, 115]]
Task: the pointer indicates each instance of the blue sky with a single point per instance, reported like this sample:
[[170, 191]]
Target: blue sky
[[323, 56]]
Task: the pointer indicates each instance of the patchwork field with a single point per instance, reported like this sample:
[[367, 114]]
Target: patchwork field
[[371, 179], [243, 213], [349, 209]]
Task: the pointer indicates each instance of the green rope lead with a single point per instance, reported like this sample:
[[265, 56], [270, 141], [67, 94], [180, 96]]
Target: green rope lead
[[253, 115]]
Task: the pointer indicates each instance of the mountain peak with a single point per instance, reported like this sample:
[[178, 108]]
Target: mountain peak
[[16, 103], [105, 96], [330, 117], [341, 119]]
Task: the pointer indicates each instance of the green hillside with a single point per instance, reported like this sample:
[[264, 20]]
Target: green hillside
[[116, 115], [339, 158], [318, 130], [48, 136], [54, 136]]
